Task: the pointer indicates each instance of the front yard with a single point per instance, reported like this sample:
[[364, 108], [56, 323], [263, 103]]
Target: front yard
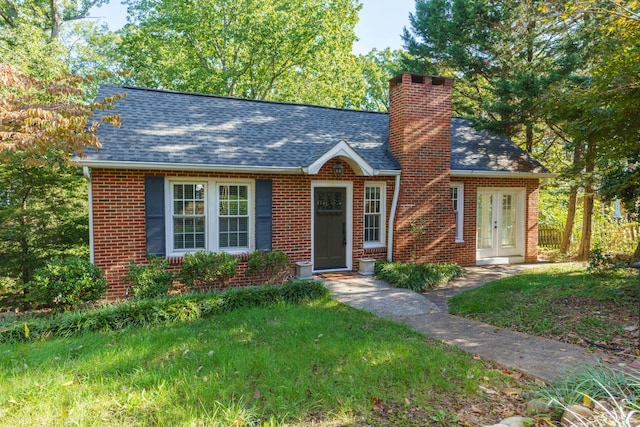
[[319, 363], [562, 302]]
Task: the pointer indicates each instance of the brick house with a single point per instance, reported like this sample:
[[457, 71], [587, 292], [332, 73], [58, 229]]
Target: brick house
[[328, 186]]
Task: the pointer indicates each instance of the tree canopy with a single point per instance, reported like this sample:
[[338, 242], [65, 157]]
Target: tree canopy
[[264, 49]]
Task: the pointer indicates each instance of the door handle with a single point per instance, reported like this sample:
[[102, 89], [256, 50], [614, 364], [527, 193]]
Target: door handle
[[344, 234]]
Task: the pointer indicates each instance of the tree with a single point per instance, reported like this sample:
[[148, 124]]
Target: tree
[[45, 14], [263, 49], [43, 123], [378, 67], [504, 52], [44, 118]]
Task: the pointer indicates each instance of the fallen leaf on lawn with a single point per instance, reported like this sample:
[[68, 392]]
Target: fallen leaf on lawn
[[67, 384], [511, 391], [256, 394], [488, 390]]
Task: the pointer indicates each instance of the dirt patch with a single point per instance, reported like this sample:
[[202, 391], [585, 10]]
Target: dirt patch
[[604, 325]]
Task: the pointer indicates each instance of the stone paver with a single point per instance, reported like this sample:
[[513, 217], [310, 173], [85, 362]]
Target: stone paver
[[539, 357]]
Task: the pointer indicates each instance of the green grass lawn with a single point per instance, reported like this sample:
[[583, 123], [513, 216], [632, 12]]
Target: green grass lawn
[[562, 301], [318, 363]]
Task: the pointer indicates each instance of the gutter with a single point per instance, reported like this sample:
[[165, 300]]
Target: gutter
[[392, 218], [209, 168], [87, 174], [500, 174]]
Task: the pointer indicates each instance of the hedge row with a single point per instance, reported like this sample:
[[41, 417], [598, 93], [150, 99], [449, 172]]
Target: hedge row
[[171, 309]]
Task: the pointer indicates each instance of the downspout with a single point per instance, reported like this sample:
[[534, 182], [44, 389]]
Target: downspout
[[87, 175], [392, 217]]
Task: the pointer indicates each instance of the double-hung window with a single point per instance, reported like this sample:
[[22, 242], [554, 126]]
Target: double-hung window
[[457, 198], [189, 216], [210, 215], [374, 214], [233, 216]]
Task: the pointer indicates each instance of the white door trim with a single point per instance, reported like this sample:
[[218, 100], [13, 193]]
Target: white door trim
[[348, 185], [498, 255]]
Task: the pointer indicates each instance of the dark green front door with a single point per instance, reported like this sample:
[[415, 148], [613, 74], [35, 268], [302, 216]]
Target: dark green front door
[[330, 233]]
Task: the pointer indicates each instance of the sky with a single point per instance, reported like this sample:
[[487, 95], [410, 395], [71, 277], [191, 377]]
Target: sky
[[381, 22]]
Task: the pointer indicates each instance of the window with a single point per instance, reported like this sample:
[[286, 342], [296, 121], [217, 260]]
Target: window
[[188, 216], [233, 216], [457, 197], [374, 214], [209, 215]]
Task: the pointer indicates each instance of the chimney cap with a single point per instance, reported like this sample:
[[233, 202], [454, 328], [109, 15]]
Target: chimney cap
[[417, 78]]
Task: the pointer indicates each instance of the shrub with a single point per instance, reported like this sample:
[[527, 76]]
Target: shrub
[[271, 267], [66, 282], [151, 280], [162, 310], [612, 395], [298, 291], [600, 262], [417, 277], [207, 270]]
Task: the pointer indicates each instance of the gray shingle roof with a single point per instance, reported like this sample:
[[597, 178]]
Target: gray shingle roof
[[204, 130]]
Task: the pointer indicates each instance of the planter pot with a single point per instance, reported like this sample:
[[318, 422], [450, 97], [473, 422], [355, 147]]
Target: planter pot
[[366, 266], [304, 269]]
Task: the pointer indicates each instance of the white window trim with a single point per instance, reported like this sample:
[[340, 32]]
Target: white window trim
[[383, 213], [211, 209], [460, 216]]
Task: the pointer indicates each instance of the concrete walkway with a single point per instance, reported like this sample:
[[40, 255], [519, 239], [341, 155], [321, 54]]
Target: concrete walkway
[[539, 357]]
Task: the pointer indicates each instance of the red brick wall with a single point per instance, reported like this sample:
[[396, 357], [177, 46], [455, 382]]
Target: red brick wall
[[466, 252], [420, 139], [119, 218]]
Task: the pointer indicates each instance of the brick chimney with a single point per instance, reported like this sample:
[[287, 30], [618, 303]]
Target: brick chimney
[[420, 139]]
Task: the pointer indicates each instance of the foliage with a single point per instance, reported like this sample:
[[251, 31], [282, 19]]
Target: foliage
[[151, 280], [47, 121], [417, 277], [284, 364], [43, 213], [613, 395], [261, 49], [207, 270], [271, 267], [600, 262], [65, 283], [161, 310], [378, 67], [505, 53], [45, 14], [595, 308]]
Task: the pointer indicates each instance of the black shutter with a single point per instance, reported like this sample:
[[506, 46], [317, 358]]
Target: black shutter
[[263, 214], [154, 215]]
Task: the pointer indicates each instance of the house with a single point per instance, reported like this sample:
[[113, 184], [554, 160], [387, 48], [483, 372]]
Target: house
[[187, 172]]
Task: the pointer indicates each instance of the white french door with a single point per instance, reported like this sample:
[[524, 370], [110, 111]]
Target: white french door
[[500, 225]]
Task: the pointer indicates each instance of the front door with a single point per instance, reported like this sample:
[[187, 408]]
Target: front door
[[500, 226], [330, 228]]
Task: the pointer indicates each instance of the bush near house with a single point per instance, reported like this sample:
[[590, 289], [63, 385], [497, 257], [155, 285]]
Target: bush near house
[[417, 277], [151, 280], [64, 283], [271, 267], [207, 270]]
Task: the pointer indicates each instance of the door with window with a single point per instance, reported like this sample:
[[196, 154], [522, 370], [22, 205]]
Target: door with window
[[500, 225], [330, 232]]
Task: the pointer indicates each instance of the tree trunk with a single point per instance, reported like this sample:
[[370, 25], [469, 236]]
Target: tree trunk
[[571, 218], [587, 218], [573, 203], [636, 255], [56, 19]]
